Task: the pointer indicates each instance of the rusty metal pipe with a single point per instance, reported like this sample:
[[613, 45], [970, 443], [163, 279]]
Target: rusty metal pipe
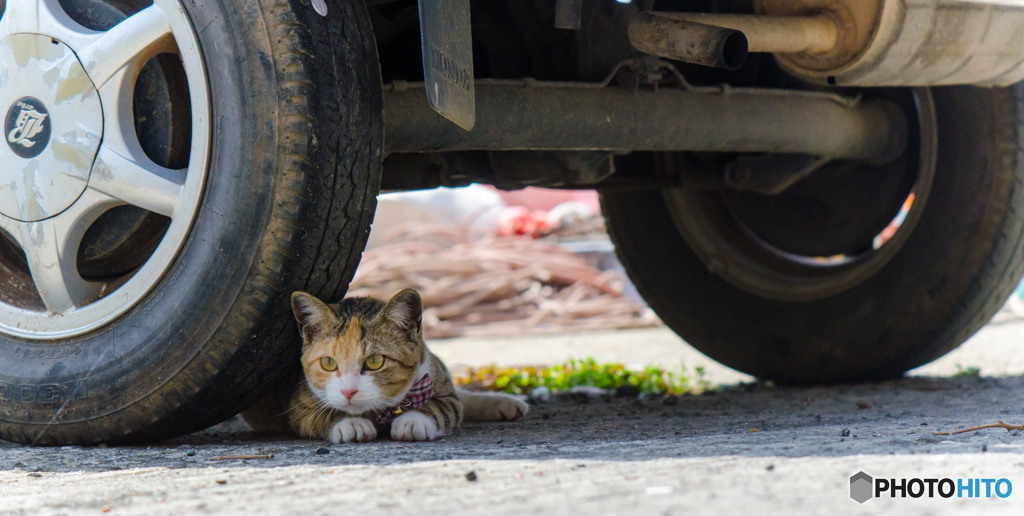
[[785, 34], [516, 117], [688, 41]]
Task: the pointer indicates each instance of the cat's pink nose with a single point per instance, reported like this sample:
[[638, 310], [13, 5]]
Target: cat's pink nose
[[348, 394]]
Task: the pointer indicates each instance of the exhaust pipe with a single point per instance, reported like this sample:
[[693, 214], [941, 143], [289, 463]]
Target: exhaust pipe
[[723, 40], [688, 41]]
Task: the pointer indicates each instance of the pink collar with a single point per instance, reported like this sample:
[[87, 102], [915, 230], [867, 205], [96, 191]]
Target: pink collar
[[418, 394]]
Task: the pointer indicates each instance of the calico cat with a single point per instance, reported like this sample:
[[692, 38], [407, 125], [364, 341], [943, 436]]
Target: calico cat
[[368, 371]]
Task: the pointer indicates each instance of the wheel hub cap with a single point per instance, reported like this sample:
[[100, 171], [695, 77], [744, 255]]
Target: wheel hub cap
[[53, 127], [72, 153]]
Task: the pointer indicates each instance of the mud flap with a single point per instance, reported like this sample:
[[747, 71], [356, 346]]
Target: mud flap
[[447, 42]]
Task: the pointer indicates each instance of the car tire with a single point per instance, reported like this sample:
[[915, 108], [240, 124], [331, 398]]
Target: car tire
[[293, 170], [829, 317]]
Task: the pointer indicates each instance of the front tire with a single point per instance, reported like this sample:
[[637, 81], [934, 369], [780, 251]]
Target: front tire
[[294, 136]]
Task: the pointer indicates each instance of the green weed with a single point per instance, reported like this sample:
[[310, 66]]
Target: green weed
[[585, 372], [967, 371]]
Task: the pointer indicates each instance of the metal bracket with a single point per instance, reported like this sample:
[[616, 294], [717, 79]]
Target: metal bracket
[[446, 37], [771, 174]]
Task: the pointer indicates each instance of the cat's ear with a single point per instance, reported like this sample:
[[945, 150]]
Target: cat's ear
[[313, 315], [405, 310]]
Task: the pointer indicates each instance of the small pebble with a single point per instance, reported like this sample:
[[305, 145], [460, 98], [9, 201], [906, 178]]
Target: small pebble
[[471, 476], [589, 391], [322, 451], [541, 394], [191, 453], [845, 432], [984, 447], [221, 481]]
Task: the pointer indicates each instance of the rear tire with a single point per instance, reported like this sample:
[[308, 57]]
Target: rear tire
[[955, 266], [287, 205]]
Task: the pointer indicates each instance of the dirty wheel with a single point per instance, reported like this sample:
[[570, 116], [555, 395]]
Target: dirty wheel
[[857, 272], [171, 171]]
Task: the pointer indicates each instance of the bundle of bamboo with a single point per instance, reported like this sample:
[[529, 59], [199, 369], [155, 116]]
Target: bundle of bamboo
[[496, 286]]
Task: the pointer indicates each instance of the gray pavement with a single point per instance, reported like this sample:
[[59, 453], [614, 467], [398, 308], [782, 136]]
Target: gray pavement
[[749, 448]]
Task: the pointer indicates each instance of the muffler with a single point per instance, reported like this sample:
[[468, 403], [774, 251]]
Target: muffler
[[856, 42]]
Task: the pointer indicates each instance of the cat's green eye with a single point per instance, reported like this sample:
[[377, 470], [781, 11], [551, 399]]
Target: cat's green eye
[[328, 363], [374, 362]]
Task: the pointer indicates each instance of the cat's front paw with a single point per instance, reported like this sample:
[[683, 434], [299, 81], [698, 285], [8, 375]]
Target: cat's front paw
[[353, 429], [414, 426]]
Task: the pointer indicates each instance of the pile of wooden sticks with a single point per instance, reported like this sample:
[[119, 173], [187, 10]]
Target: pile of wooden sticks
[[496, 286]]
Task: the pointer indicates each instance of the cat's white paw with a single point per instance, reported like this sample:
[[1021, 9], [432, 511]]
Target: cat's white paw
[[491, 406], [509, 408], [353, 429], [414, 426]]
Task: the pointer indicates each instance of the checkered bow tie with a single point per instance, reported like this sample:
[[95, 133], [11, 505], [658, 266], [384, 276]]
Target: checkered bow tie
[[418, 394]]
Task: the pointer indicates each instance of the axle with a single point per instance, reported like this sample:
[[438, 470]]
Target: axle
[[524, 116]]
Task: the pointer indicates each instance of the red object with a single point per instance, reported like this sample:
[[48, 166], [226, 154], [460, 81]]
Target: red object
[[522, 221], [418, 394]]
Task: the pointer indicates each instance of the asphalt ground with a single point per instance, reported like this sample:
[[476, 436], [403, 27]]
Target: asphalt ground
[[746, 448]]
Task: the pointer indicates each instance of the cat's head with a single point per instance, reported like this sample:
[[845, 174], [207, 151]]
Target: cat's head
[[364, 354]]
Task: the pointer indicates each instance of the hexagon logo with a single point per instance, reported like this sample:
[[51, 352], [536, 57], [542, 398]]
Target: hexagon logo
[[861, 487]]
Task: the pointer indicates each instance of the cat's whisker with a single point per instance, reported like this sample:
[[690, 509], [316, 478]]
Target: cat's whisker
[[384, 403], [320, 410], [307, 398], [387, 401], [316, 404], [325, 410]]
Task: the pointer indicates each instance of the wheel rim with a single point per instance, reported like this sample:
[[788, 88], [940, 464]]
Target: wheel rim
[[733, 247], [71, 154]]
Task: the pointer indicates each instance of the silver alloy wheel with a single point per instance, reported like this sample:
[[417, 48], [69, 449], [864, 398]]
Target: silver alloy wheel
[[71, 153]]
